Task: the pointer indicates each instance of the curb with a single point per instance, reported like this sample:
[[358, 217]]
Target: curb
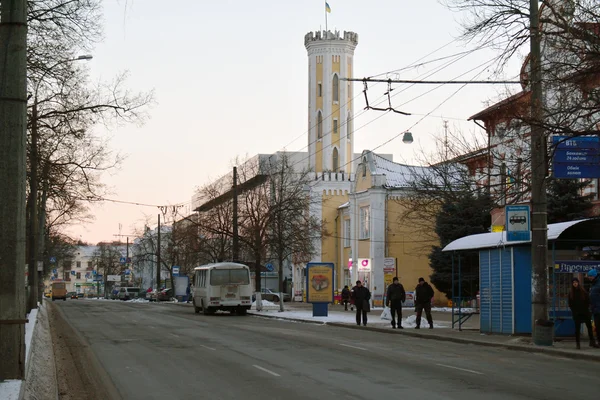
[[514, 347]]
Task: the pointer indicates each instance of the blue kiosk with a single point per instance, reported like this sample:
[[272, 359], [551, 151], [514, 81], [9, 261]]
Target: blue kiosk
[[505, 274]]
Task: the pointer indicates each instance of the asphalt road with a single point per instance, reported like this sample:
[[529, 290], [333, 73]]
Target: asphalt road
[[159, 351]]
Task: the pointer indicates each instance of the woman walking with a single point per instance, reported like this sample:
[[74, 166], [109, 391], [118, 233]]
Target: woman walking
[[579, 303]]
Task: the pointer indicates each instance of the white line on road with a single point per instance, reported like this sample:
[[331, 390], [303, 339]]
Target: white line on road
[[206, 347], [266, 370], [172, 334], [460, 369], [353, 347]]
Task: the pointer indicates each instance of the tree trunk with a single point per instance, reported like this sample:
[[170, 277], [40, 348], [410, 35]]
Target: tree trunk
[[13, 114], [280, 279]]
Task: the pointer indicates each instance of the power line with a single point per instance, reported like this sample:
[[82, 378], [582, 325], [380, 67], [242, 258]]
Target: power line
[[416, 82]]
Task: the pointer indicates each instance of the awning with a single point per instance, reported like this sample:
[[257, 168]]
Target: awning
[[497, 239]]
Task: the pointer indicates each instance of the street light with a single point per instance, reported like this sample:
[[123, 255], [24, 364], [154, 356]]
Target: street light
[[407, 138], [34, 241]]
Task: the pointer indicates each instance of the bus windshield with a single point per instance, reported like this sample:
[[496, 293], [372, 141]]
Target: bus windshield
[[229, 277]]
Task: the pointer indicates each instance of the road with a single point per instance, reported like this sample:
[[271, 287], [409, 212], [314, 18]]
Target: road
[[160, 351]]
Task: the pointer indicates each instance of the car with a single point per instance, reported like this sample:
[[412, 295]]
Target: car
[[269, 295], [80, 295], [72, 295], [165, 295], [128, 293]]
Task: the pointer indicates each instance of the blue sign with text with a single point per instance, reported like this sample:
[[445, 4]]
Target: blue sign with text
[[576, 157], [518, 225], [575, 266]]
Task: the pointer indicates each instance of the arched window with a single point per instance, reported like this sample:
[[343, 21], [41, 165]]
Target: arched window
[[336, 88], [335, 160], [319, 125]]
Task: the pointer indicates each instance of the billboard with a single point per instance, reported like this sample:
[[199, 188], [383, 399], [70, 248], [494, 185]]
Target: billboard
[[320, 282]]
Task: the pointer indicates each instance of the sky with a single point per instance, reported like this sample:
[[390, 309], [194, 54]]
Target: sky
[[230, 80]]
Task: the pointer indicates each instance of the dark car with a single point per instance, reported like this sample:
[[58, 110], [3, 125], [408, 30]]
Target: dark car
[[165, 295], [80, 295], [72, 295]]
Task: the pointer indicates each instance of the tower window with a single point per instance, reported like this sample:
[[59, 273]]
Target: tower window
[[336, 88], [335, 126], [335, 161], [320, 90], [319, 125]]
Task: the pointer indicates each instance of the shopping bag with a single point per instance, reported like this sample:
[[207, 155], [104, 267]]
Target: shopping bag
[[386, 314], [366, 306]]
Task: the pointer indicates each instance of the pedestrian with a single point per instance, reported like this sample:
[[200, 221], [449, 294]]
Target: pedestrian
[[394, 299], [345, 297], [423, 296], [361, 297], [595, 300], [579, 303]]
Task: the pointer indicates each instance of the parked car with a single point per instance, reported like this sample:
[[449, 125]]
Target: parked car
[[80, 295], [165, 295], [128, 293], [269, 295]]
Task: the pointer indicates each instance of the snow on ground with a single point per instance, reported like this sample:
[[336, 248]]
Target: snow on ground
[[373, 318], [449, 309], [9, 390], [266, 305]]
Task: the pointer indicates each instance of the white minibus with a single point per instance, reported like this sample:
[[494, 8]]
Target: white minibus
[[222, 286]]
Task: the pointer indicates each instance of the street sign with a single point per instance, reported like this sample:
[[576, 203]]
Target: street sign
[[571, 266], [175, 270], [54, 271], [72, 272], [122, 260], [269, 267], [518, 224], [113, 278], [576, 157], [127, 272], [52, 260], [94, 272], [128, 260], [98, 278]]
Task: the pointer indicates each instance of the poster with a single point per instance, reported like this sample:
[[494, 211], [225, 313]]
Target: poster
[[320, 282]]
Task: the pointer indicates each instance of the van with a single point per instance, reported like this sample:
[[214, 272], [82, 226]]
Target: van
[[59, 291], [128, 293], [222, 286]]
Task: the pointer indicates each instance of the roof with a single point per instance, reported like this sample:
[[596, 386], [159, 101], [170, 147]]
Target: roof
[[497, 239], [345, 205], [397, 175], [498, 106]]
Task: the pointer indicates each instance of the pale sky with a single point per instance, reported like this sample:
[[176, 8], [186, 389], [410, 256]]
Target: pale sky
[[230, 79]]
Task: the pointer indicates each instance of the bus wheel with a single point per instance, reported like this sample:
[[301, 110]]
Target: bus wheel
[[205, 310]]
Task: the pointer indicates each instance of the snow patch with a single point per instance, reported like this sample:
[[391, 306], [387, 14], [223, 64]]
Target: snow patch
[[449, 309]]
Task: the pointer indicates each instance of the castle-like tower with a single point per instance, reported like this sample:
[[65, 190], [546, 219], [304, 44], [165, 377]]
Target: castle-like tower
[[330, 105]]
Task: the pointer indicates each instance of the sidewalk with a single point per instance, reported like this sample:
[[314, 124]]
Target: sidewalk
[[300, 312]]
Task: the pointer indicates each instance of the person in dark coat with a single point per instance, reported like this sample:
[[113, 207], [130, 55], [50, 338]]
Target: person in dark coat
[[595, 300], [361, 297], [345, 297], [579, 303], [394, 298], [423, 296]]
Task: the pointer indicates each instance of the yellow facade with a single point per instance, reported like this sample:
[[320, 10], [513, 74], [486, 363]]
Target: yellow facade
[[331, 244]]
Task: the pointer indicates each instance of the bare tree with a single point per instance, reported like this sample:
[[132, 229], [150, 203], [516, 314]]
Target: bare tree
[[107, 258]]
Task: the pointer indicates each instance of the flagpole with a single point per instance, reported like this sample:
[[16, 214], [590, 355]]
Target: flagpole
[[325, 19]]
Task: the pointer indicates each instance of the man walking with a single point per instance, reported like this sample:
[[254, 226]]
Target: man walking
[[595, 300], [423, 296], [394, 299], [361, 296]]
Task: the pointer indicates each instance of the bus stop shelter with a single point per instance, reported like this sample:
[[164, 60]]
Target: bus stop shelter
[[505, 274]]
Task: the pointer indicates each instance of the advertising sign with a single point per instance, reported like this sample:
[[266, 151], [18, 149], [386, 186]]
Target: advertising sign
[[410, 299], [319, 283], [517, 223], [113, 278], [364, 264], [575, 266]]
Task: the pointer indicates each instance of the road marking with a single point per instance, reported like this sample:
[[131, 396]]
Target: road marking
[[172, 334], [461, 369], [353, 347], [206, 347], [266, 370]]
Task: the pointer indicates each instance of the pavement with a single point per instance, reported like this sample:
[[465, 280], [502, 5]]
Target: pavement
[[158, 351]]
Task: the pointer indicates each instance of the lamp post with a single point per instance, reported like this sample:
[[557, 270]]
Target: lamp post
[[35, 270]]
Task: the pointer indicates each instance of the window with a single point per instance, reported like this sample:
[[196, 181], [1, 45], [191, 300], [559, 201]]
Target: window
[[78, 275], [336, 88], [365, 222], [78, 264], [348, 127], [347, 278], [335, 160], [319, 90], [229, 276], [346, 233], [319, 125], [89, 264], [335, 126]]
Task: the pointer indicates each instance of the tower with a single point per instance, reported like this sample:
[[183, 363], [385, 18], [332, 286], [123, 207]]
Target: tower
[[330, 105]]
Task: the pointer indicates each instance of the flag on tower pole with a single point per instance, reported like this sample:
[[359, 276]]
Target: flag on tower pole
[[327, 10]]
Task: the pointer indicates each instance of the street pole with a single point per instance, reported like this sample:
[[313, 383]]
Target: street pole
[[539, 221], [158, 259], [235, 218], [13, 131]]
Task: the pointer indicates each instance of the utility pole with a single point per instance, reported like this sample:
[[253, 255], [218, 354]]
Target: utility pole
[[235, 218], [158, 259], [13, 116], [539, 221]]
